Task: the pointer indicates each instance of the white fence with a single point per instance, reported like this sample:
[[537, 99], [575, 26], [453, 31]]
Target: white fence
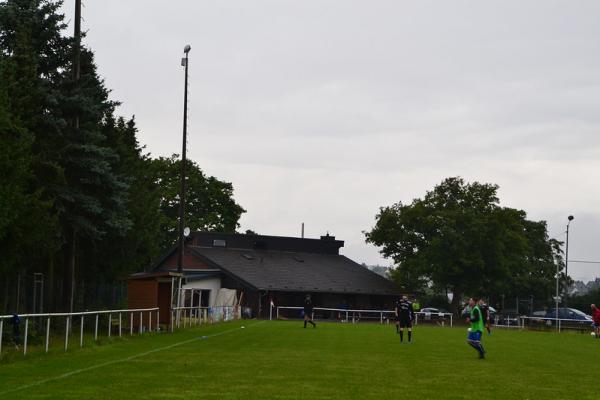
[[354, 316], [558, 324], [196, 315], [141, 314], [440, 318]]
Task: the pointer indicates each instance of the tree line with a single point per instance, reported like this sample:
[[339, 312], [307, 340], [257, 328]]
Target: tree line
[[458, 239], [83, 203]]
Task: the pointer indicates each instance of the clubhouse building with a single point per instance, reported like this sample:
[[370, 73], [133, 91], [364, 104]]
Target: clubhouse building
[[262, 270]]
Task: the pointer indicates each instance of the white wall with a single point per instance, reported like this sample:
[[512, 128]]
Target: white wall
[[212, 284]]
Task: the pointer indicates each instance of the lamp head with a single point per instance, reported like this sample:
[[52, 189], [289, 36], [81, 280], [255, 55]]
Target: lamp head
[[187, 48], [571, 218]]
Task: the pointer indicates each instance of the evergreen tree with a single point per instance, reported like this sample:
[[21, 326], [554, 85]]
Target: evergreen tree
[[77, 188]]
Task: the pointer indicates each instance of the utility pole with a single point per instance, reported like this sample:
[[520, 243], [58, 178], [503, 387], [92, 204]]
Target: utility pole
[[76, 76]]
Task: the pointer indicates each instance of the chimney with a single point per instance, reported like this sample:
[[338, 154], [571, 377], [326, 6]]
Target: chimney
[[328, 237]]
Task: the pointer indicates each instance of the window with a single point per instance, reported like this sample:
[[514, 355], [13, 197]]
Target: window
[[219, 243]]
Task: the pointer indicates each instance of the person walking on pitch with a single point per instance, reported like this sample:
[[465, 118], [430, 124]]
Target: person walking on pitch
[[308, 311], [405, 316], [476, 330], [596, 320]]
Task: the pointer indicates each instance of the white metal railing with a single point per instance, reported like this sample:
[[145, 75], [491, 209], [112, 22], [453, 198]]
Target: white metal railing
[[558, 322], [132, 313], [355, 315], [506, 322], [197, 315], [427, 316], [190, 315]]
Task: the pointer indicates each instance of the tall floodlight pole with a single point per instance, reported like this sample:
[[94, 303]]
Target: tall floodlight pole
[[184, 63], [570, 218]]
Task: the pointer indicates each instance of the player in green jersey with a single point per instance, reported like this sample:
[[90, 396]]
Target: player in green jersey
[[476, 330]]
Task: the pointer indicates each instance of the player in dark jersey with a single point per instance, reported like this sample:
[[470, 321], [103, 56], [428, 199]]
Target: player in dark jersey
[[308, 311], [405, 316]]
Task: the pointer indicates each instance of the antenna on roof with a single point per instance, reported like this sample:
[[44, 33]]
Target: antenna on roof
[[302, 232]]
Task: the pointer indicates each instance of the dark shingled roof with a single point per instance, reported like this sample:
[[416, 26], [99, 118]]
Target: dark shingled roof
[[296, 271]]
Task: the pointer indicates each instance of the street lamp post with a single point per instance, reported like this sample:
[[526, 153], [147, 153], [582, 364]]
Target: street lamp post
[[556, 298], [570, 218]]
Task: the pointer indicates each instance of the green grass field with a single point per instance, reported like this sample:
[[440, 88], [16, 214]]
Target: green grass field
[[281, 360]]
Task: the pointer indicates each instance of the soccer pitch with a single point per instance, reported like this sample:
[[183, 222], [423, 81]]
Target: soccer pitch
[[281, 360]]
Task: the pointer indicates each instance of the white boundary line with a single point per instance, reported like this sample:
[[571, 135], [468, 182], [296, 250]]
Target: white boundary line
[[93, 367]]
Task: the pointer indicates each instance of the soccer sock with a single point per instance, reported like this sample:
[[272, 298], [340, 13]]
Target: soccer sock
[[409, 336], [397, 330], [481, 349], [305, 323], [472, 344], [313, 324], [401, 335]]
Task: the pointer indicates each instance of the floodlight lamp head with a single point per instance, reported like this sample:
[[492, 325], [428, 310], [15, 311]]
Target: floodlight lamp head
[[571, 218], [187, 48]]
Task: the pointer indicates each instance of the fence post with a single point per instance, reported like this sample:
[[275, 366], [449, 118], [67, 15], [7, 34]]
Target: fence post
[[81, 333], [120, 321], [109, 323], [47, 333], [141, 316], [1, 326], [450, 320], [67, 333], [381, 318], [559, 323], [96, 329], [149, 321], [130, 323], [157, 320], [26, 332]]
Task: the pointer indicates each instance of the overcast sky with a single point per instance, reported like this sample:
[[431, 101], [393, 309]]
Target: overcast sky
[[323, 111]]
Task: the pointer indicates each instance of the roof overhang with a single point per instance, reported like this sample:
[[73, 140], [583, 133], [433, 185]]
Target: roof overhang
[[153, 275]]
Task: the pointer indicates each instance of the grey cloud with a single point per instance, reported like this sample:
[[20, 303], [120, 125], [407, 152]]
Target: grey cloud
[[323, 111]]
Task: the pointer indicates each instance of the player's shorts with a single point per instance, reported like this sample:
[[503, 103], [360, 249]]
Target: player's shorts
[[405, 322], [476, 336], [308, 312]]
